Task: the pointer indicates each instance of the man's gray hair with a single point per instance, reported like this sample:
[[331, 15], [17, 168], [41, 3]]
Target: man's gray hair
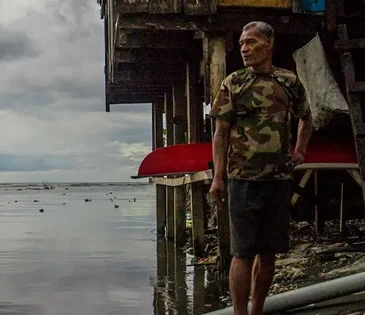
[[264, 28]]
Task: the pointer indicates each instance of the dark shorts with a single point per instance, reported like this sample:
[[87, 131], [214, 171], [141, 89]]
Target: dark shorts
[[259, 217]]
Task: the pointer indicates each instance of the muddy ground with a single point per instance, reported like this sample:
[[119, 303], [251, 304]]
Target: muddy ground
[[312, 258]]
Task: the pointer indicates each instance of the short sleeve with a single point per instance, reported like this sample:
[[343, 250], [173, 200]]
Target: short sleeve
[[301, 107], [222, 106]]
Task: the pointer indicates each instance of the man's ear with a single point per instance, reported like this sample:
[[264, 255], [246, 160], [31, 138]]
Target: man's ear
[[270, 43]]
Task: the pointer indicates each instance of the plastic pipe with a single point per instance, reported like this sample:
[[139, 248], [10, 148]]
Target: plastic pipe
[[308, 295]]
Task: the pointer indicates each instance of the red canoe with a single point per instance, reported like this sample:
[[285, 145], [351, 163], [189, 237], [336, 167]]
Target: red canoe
[[189, 158]]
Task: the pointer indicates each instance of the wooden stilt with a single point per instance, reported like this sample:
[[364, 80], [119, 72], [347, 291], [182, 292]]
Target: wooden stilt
[[159, 297], [215, 70], [341, 210], [319, 222], [197, 211], [179, 119], [169, 190], [195, 117], [157, 136], [180, 282], [199, 289], [170, 283]]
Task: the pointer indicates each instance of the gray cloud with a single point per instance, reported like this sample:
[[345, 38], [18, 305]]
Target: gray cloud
[[16, 45], [52, 106]]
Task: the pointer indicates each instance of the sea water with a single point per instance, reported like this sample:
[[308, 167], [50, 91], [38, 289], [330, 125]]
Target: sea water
[[90, 249]]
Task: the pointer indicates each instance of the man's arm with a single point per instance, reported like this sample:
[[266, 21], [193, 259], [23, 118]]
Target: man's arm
[[220, 148], [305, 130]]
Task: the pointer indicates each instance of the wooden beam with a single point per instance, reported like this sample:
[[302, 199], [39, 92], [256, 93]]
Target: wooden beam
[[136, 6], [349, 44], [318, 213], [217, 72], [302, 184], [179, 127], [169, 141], [179, 114], [184, 180], [161, 209], [133, 39], [159, 297], [353, 98], [165, 6], [194, 108], [148, 56], [200, 7], [331, 17], [158, 123], [197, 210], [179, 216], [233, 21], [160, 189]]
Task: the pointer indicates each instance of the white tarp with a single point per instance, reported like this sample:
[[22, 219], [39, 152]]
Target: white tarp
[[323, 93]]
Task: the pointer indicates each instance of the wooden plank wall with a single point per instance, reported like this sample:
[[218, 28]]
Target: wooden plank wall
[[189, 7], [255, 3]]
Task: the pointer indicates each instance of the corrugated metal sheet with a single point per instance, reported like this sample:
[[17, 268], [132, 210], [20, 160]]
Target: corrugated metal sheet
[[256, 3]]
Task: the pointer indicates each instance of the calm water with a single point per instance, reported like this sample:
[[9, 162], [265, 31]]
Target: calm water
[[95, 258]]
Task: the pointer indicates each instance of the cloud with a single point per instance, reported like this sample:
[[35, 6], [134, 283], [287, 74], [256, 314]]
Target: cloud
[[15, 45], [52, 108]]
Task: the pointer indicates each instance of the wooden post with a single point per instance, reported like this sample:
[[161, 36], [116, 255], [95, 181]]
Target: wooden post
[[159, 297], [194, 108], [195, 116], [197, 212], [318, 214], [181, 300], [158, 143], [199, 289], [169, 141], [215, 68], [170, 283], [179, 118]]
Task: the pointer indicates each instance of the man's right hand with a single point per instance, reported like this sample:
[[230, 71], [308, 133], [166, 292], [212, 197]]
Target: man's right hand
[[218, 191]]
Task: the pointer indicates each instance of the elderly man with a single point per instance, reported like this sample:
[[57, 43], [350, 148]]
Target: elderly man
[[252, 149]]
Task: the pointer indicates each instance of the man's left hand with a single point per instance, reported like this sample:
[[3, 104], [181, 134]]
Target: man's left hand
[[297, 158]]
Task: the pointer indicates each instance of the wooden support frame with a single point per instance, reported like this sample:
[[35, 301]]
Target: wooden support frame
[[179, 128], [353, 98], [169, 190], [157, 135]]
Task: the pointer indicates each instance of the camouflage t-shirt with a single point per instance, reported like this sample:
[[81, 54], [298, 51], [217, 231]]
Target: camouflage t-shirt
[[259, 108]]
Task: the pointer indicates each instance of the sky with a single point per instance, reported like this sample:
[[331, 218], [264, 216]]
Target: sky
[[53, 123]]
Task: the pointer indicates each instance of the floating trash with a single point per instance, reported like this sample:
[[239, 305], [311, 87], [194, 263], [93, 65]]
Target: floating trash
[[41, 210], [35, 200], [116, 206], [87, 200]]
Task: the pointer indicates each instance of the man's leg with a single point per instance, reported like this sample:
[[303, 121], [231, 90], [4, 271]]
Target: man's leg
[[274, 238], [239, 284], [262, 276]]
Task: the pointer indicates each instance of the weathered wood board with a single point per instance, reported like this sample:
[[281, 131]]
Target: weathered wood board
[[165, 6], [256, 3], [200, 7]]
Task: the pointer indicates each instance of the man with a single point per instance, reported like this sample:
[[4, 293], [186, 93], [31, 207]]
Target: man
[[251, 148]]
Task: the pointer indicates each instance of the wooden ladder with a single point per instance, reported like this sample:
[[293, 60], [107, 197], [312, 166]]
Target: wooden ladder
[[354, 89]]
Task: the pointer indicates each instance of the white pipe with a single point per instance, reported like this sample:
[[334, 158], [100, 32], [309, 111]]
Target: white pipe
[[308, 295]]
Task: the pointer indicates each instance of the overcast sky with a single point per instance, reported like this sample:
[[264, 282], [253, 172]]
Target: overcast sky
[[53, 121]]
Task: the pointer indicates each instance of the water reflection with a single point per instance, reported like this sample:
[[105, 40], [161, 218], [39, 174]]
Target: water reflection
[[182, 288]]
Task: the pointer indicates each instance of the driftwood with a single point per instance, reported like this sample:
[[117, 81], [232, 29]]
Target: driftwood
[[345, 249]]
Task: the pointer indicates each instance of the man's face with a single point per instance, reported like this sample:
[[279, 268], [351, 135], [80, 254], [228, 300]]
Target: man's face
[[256, 49]]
